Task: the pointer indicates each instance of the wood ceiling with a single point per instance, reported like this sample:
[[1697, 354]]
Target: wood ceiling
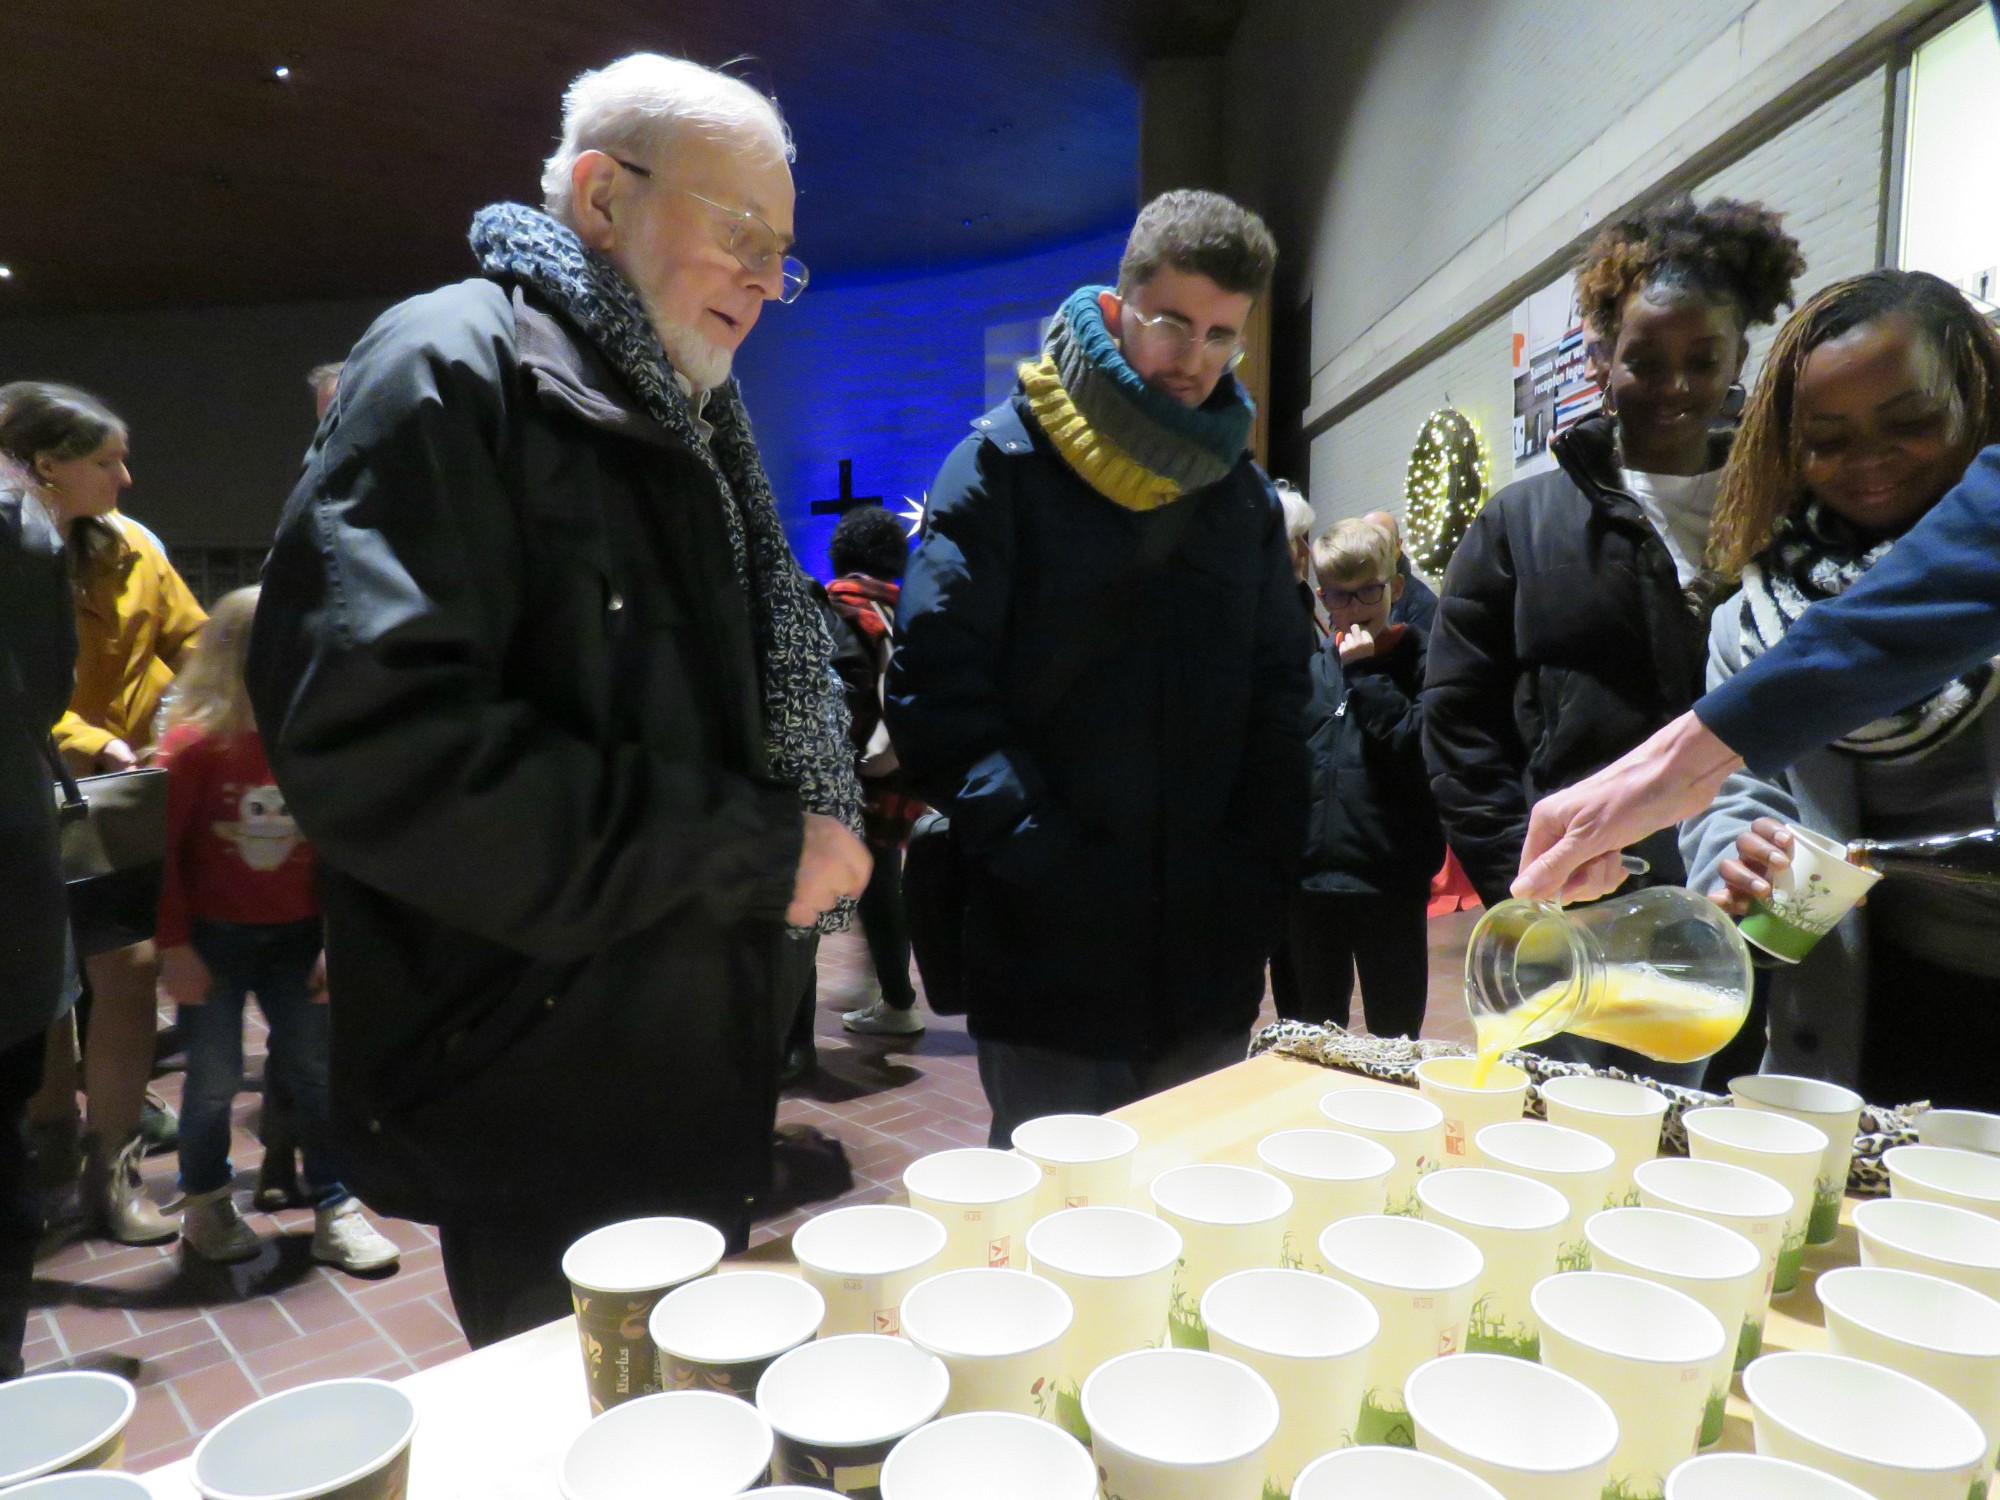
[[150, 155]]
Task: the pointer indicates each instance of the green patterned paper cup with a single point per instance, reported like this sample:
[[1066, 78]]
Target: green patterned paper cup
[[1172, 1424], [1531, 1432], [1736, 1198], [1808, 897], [1789, 1152], [1517, 1223], [1411, 1126], [1829, 1108], [1229, 1219]]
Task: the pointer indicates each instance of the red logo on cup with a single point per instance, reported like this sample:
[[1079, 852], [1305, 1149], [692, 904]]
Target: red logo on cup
[[888, 1320], [1000, 1252], [1454, 1137], [1079, 1200]]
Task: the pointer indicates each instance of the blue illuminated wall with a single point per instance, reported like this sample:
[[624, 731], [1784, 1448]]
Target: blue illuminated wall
[[889, 374]]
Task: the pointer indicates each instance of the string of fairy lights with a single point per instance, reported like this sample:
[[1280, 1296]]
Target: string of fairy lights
[[1443, 487]]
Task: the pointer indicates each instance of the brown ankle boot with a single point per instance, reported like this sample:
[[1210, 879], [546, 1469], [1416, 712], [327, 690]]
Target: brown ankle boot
[[114, 1198]]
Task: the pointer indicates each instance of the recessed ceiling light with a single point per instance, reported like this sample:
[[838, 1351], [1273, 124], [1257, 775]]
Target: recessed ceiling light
[[6, 273], [281, 72]]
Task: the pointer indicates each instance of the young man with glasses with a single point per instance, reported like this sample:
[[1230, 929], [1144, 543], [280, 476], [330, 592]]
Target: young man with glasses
[[1101, 678]]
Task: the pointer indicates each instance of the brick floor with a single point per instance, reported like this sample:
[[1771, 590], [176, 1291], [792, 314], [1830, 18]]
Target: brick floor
[[210, 1339]]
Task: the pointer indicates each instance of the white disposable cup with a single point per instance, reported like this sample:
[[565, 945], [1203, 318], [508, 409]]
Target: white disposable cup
[[1180, 1424], [1333, 1174], [1422, 1279], [999, 1333], [1086, 1160], [984, 1198], [710, 1443], [989, 1455], [1906, 1234], [1578, 1166], [617, 1275], [719, 1333], [1965, 1129], [1736, 1198], [95, 1485], [1809, 896], [1624, 1115], [1894, 1437], [864, 1261], [1649, 1351], [1447, 1083], [838, 1406], [1388, 1474], [1714, 1265], [1230, 1219], [1308, 1336], [1531, 1432], [1117, 1265], [66, 1419], [1754, 1476], [1944, 1334], [1945, 1174], [1517, 1223], [1829, 1108], [1408, 1124], [1789, 1152], [310, 1441]]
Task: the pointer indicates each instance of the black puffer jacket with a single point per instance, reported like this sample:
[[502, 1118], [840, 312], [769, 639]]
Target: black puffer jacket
[[504, 670], [1563, 639]]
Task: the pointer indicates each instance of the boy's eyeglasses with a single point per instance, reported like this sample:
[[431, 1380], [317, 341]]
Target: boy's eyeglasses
[[756, 245], [1368, 595]]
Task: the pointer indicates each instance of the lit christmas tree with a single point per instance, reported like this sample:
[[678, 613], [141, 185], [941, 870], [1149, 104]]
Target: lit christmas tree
[[1443, 488]]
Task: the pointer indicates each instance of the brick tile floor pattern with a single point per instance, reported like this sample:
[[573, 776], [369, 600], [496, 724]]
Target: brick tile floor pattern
[[211, 1339]]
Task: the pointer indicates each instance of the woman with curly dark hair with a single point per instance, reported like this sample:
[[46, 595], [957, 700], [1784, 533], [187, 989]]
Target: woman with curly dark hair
[[1876, 395], [1574, 614]]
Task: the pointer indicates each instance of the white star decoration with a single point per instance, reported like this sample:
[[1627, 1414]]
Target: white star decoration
[[913, 511]]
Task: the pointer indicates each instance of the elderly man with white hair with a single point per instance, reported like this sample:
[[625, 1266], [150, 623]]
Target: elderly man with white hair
[[544, 685]]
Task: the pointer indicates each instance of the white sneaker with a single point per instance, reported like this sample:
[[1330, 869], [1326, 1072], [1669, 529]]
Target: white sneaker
[[213, 1229], [883, 1019], [342, 1236]]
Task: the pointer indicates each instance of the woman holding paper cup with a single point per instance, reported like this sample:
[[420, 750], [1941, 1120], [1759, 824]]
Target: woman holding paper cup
[[1874, 398]]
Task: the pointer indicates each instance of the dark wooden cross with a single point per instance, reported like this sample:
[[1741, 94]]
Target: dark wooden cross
[[847, 500]]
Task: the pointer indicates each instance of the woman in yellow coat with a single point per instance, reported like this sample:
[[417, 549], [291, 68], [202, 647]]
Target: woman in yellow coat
[[136, 621]]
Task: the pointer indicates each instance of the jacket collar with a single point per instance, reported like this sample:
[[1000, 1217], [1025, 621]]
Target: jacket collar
[[1588, 454], [571, 377]]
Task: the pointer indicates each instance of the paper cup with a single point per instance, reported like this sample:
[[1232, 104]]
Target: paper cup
[[985, 1199], [1943, 1174], [1531, 1432], [1179, 1424], [1716, 1266], [700, 1442], [989, 1455], [1390, 1473], [1827, 1107], [1410, 1126], [617, 1276], [100, 1485], [999, 1333], [838, 1406], [1808, 897], [1625, 1116], [1934, 1238], [67, 1419], [1650, 1352], [1736, 1198], [334, 1440], [1578, 1166], [1333, 1174], [1422, 1279], [1894, 1437], [1946, 1335], [1517, 1223], [1447, 1083], [1085, 1160], [1789, 1152], [1964, 1129], [1309, 1337], [864, 1261], [1752, 1476], [721, 1333], [1117, 1265], [1230, 1219]]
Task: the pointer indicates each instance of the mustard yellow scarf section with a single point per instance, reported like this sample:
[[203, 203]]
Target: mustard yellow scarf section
[[1103, 465]]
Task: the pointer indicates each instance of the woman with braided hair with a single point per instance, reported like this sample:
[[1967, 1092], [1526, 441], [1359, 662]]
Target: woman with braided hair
[[1876, 395], [1573, 617]]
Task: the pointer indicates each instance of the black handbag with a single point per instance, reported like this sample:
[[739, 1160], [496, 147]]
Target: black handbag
[[934, 864], [113, 830]]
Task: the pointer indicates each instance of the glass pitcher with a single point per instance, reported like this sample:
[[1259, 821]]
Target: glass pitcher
[[1660, 971]]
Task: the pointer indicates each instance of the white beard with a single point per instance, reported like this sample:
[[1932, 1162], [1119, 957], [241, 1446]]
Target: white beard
[[704, 364]]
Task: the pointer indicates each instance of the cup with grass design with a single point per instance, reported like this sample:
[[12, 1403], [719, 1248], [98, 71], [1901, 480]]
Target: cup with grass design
[[1578, 1166], [1470, 1107], [1736, 1198], [1409, 1125], [1623, 1114], [1878, 1429], [1531, 1432], [1789, 1152], [1517, 1223], [1829, 1108], [1229, 1219], [1179, 1424], [1808, 896], [1333, 1174]]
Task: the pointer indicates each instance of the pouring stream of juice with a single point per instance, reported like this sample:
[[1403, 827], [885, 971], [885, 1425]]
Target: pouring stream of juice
[[1629, 1005]]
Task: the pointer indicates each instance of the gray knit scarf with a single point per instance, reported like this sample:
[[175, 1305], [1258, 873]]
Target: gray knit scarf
[[805, 714]]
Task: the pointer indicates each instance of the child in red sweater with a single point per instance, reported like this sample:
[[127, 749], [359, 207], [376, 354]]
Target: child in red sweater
[[239, 915]]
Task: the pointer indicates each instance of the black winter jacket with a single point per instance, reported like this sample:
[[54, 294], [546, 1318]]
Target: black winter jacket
[[1563, 639], [1129, 852], [1373, 825], [505, 675]]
